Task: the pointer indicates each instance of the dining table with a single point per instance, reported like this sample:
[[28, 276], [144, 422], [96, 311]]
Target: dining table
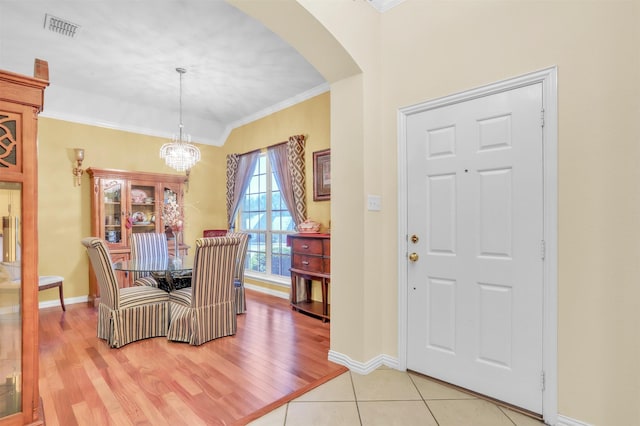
[[170, 273], [171, 264]]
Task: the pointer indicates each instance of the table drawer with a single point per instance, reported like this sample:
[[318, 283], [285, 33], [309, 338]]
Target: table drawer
[[308, 263], [307, 245]]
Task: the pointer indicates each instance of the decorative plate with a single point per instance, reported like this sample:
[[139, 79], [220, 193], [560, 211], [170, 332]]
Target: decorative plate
[[138, 196], [139, 218]]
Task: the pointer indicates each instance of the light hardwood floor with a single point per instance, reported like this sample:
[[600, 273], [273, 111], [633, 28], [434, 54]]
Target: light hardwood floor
[[276, 355]]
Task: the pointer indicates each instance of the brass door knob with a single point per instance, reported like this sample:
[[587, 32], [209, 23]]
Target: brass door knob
[[413, 257]]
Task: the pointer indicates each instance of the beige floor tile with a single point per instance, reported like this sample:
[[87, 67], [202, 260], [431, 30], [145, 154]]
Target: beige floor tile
[[322, 414], [430, 389], [338, 389], [273, 418], [520, 419], [476, 412], [395, 413], [385, 385]]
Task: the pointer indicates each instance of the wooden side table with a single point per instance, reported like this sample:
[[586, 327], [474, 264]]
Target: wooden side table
[[310, 261]]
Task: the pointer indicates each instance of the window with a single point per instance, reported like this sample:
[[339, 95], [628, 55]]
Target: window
[[264, 215]]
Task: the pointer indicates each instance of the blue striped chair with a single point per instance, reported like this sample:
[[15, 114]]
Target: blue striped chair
[[125, 314], [206, 310], [238, 278], [149, 246]]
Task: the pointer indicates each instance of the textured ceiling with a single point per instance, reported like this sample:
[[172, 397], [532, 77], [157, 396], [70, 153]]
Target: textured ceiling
[[119, 70]]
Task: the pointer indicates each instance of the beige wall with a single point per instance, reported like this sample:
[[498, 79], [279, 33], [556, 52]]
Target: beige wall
[[417, 51], [454, 46], [421, 50]]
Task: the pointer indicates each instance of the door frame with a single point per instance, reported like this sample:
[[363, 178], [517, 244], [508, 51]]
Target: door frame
[[548, 78]]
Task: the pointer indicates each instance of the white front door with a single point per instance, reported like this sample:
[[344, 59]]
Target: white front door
[[475, 204]]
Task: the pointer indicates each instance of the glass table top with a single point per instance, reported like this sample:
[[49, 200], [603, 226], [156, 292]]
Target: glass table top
[[182, 263]]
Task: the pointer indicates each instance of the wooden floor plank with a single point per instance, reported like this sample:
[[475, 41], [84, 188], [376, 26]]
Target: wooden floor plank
[[275, 356]]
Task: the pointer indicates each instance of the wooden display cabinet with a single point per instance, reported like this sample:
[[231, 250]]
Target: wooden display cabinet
[[21, 99], [125, 203]]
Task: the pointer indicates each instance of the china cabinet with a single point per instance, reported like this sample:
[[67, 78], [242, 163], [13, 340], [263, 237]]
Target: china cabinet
[[21, 99], [125, 203]]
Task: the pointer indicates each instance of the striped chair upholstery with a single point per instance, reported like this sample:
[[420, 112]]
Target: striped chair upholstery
[[148, 245], [238, 277], [125, 314], [206, 310]]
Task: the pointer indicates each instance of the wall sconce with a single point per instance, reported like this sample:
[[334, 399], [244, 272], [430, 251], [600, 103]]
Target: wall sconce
[[77, 170]]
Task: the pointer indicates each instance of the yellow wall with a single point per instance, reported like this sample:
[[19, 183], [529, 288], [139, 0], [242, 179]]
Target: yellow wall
[[310, 118], [64, 209]]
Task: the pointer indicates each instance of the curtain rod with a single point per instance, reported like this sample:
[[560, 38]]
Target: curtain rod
[[267, 147]]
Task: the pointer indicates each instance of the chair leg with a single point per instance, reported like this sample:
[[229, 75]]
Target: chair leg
[[64, 309], [50, 281]]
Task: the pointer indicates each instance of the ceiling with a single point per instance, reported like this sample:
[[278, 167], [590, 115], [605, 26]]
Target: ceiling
[[119, 68]]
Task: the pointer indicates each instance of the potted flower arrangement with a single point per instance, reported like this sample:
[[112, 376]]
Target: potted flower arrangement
[[172, 219]]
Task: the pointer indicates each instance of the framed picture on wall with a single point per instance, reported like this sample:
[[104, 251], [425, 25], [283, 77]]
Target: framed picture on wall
[[322, 175]]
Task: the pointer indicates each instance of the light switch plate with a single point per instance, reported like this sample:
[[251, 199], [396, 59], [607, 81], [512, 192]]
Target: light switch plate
[[374, 203]]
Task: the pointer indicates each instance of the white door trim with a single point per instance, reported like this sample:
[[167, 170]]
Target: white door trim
[[548, 78]]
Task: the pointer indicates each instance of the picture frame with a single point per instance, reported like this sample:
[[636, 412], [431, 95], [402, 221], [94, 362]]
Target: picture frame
[[322, 175]]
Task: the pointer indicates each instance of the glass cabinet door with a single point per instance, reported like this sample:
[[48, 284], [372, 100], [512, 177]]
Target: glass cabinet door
[[143, 213], [112, 191], [10, 300]]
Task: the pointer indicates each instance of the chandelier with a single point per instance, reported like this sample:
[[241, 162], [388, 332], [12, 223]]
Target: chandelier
[[180, 154]]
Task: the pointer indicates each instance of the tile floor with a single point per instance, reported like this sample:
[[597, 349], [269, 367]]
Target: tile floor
[[389, 397]]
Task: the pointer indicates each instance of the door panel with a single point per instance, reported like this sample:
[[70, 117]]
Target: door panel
[[475, 200]]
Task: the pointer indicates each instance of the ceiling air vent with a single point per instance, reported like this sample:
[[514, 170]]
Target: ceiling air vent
[[60, 26]]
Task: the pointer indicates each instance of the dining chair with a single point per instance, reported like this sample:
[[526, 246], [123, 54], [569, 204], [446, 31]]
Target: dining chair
[[125, 314], [148, 245], [238, 276], [206, 310]]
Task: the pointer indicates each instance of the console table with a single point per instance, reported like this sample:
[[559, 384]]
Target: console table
[[310, 261]]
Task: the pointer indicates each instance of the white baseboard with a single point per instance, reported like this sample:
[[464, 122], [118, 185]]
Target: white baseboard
[[265, 290], [391, 362], [568, 421], [69, 301], [363, 367]]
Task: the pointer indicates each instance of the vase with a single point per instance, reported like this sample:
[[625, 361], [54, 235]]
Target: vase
[[176, 242]]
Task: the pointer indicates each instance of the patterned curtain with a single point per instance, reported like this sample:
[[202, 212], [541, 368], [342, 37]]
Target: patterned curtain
[[239, 171], [287, 162]]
